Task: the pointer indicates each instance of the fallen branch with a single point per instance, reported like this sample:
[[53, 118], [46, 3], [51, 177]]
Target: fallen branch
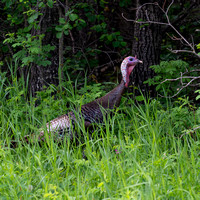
[[182, 77], [194, 78]]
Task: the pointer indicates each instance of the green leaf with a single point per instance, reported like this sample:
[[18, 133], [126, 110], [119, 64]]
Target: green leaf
[[59, 28], [158, 87], [110, 38], [27, 60], [99, 27], [35, 50], [20, 54], [62, 20], [100, 184], [41, 5], [48, 48], [198, 97], [139, 98], [67, 26], [32, 18], [28, 28], [59, 35], [82, 22], [120, 38], [143, 25], [116, 44], [45, 62], [66, 32], [50, 3], [123, 44], [197, 91], [73, 17], [17, 44]]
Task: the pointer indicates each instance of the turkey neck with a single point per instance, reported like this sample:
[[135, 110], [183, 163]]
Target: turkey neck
[[92, 112], [113, 98]]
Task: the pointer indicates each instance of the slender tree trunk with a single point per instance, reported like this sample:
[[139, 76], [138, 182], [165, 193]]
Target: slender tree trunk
[[40, 75], [61, 42], [146, 45]]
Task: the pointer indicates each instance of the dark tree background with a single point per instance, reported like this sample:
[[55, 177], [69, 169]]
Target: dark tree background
[[52, 39], [147, 43]]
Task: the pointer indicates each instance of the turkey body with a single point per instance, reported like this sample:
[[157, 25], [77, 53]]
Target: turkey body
[[95, 110], [91, 112]]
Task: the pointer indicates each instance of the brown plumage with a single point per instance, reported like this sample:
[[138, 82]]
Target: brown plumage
[[93, 111]]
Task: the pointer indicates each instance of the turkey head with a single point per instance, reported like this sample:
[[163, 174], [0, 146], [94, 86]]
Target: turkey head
[[127, 67]]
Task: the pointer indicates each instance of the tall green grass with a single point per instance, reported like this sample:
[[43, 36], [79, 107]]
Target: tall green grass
[[140, 152]]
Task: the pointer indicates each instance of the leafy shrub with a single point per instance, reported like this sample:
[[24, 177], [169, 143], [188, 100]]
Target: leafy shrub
[[168, 70], [29, 49]]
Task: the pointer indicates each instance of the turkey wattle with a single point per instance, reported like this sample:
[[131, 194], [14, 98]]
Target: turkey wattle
[[92, 112]]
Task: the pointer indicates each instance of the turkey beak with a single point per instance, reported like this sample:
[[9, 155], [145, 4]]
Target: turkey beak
[[139, 61]]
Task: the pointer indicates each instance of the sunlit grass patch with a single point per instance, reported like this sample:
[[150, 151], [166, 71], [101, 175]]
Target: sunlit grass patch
[[140, 151]]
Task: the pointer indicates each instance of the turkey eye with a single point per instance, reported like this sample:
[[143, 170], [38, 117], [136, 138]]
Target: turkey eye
[[130, 59]]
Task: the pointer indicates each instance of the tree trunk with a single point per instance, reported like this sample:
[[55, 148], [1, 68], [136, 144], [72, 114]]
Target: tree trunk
[[41, 76], [146, 45]]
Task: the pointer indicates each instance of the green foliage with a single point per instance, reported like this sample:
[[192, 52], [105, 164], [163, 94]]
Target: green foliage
[[32, 50], [79, 62], [198, 47], [168, 70], [198, 96], [66, 25], [114, 38], [89, 93], [124, 3], [28, 48], [97, 24], [26, 39], [50, 3], [182, 116]]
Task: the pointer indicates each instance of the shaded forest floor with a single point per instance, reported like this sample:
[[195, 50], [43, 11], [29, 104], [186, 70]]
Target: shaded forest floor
[[144, 151]]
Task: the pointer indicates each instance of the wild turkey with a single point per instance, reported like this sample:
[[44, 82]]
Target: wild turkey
[[92, 112]]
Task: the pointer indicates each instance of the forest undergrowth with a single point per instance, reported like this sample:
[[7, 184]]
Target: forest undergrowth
[[145, 150]]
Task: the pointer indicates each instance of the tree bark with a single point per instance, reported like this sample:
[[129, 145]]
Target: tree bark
[[61, 46], [146, 44], [41, 76]]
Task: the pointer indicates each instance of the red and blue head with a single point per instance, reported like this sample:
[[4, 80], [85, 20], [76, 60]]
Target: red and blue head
[[127, 67]]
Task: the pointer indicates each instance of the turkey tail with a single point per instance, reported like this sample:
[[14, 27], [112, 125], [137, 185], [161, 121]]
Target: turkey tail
[[57, 125]]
